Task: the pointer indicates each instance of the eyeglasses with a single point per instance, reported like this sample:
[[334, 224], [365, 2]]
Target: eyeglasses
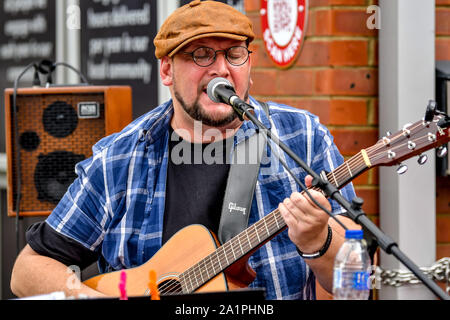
[[205, 56]]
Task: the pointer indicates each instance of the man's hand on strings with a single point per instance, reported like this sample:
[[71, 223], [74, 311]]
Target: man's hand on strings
[[307, 223]]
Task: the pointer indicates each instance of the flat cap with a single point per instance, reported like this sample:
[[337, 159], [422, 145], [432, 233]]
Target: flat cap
[[200, 19]]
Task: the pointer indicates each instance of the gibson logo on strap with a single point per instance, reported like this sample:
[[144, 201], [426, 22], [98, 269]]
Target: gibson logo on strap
[[232, 206]]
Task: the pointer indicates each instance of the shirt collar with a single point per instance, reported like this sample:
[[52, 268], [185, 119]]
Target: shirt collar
[[248, 128], [158, 125]]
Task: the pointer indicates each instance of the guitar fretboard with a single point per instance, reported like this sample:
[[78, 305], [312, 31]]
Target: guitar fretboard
[[258, 233]]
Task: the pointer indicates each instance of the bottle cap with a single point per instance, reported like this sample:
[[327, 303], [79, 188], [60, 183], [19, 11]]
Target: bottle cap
[[353, 234]]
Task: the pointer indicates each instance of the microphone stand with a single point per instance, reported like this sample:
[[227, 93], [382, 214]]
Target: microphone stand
[[354, 210]]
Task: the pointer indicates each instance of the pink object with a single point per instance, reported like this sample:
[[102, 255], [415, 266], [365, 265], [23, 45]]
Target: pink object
[[123, 285]]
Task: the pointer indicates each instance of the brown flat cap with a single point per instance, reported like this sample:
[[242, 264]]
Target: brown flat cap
[[200, 19]]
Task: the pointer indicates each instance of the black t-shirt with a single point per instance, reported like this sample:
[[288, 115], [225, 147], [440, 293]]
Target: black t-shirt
[[195, 188], [196, 184]]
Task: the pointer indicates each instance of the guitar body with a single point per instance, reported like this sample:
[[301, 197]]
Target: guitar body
[[188, 246]]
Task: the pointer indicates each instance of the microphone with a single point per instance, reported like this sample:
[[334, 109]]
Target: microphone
[[220, 90]]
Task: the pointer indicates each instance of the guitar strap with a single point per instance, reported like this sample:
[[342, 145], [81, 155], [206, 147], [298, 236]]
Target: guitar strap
[[241, 185]]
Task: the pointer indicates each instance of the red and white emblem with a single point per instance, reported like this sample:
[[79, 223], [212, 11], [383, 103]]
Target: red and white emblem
[[283, 26]]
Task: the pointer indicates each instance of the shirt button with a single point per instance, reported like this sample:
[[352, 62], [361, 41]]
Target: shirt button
[[143, 136]]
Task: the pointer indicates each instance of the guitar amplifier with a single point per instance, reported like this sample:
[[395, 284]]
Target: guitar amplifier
[[56, 128]]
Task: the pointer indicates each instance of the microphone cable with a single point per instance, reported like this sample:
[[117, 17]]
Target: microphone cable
[[17, 151], [83, 78]]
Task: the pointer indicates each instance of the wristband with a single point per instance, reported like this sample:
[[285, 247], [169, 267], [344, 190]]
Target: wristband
[[322, 251]]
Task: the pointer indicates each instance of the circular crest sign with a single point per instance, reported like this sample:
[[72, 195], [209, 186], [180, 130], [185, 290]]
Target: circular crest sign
[[283, 26]]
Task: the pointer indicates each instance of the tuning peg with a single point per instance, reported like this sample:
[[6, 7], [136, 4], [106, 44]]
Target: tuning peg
[[431, 110], [388, 133], [406, 131], [441, 151], [422, 159], [402, 168]]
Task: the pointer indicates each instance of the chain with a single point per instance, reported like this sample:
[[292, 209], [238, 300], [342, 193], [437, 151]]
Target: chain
[[439, 271]]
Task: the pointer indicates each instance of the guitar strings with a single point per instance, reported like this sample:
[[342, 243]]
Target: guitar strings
[[393, 140], [380, 156], [399, 135], [190, 273], [380, 145], [226, 249]]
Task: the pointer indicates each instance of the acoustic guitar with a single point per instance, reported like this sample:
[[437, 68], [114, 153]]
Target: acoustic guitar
[[193, 260]]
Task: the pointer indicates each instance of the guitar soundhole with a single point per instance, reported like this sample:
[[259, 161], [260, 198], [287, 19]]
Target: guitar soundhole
[[171, 286]]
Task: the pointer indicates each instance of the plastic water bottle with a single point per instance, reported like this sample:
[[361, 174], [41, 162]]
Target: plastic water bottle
[[352, 265]]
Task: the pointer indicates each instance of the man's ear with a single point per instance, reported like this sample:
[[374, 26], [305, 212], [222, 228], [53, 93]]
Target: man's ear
[[166, 71]]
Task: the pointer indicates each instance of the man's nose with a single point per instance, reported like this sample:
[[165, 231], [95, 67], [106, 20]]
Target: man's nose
[[220, 65]]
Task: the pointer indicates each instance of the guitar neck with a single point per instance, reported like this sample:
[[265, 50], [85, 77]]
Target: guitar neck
[[349, 170], [260, 232]]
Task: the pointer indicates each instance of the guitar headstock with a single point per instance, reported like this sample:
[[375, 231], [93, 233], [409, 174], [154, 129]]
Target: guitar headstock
[[412, 140]]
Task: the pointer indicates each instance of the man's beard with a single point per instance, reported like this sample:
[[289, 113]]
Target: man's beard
[[196, 112]]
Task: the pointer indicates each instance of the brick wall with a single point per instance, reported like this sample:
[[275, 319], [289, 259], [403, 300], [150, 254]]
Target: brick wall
[[443, 183], [335, 77]]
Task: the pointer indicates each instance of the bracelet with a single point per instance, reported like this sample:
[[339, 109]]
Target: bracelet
[[322, 251]]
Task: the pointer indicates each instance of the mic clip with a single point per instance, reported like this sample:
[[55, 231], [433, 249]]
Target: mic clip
[[242, 108]]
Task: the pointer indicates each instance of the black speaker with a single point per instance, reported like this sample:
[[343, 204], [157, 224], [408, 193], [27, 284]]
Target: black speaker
[[56, 129]]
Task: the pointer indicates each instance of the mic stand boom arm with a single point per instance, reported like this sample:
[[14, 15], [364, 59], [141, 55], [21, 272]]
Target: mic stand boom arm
[[354, 210]]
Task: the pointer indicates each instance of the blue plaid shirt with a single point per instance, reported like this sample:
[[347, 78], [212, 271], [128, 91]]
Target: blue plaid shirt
[[116, 205]]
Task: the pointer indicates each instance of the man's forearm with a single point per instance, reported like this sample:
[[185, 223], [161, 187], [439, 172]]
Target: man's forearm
[[34, 274], [323, 266]]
